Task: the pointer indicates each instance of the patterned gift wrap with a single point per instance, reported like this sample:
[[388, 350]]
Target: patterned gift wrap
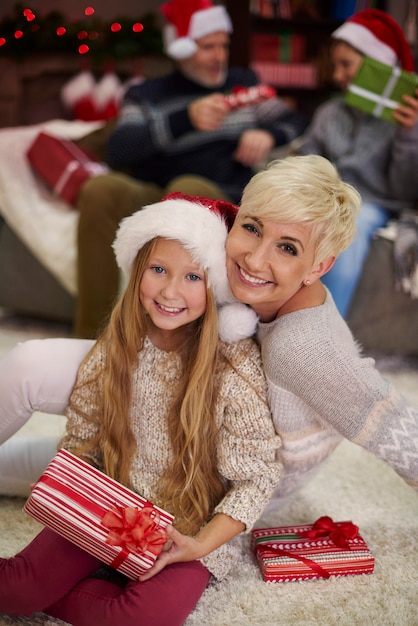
[[248, 96], [62, 165], [378, 88], [99, 515], [311, 551]]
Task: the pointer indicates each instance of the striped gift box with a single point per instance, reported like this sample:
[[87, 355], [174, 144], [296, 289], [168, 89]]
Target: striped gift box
[[289, 553], [378, 88], [98, 514]]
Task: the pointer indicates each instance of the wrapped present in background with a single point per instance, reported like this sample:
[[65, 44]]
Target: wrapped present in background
[[378, 88], [99, 515], [310, 551], [62, 165], [248, 96]]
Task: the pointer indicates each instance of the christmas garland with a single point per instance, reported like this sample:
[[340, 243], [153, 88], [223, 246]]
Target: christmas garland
[[25, 33]]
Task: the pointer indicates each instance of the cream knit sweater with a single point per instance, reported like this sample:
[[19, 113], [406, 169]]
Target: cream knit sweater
[[247, 446], [321, 389]]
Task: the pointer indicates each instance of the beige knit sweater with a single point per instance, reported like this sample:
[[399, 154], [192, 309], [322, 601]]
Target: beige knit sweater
[[247, 444]]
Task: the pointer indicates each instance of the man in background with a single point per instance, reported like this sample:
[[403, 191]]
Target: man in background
[[175, 133]]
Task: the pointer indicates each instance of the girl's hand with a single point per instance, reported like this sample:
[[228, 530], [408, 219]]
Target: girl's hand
[[218, 531], [181, 548], [407, 114]]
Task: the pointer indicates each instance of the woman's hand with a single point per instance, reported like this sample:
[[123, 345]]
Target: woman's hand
[[407, 114]]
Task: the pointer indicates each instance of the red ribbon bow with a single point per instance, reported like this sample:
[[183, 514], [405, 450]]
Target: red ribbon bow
[[135, 530], [337, 532]]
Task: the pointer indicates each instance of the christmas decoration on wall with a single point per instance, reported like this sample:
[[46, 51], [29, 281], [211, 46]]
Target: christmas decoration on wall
[[27, 32]]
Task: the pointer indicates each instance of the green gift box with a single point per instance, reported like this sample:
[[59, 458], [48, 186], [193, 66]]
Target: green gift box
[[378, 88]]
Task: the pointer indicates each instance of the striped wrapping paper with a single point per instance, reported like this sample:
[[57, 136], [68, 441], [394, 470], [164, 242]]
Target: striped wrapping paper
[[284, 555], [71, 497], [378, 88]]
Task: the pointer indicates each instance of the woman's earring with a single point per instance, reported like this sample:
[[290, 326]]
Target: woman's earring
[[307, 282]]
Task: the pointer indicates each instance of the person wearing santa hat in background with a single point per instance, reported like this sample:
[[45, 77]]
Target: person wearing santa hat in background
[[174, 133], [378, 157]]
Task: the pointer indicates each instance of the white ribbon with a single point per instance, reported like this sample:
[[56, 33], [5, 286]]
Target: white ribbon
[[65, 176], [382, 101], [92, 167]]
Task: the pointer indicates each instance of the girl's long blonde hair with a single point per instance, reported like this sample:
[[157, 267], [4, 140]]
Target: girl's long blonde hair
[[192, 486]]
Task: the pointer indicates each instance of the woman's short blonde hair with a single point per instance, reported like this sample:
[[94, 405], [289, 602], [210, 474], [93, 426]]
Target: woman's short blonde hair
[[306, 189]]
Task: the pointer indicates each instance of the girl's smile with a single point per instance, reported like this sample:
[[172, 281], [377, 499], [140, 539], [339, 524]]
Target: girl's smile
[[172, 291]]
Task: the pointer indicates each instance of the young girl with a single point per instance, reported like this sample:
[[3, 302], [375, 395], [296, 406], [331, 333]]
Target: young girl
[[378, 157], [166, 407]]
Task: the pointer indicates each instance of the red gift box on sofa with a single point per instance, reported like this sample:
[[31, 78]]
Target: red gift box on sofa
[[310, 551], [99, 514], [62, 165]]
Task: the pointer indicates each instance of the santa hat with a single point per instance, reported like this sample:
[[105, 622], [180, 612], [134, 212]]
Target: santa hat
[[201, 225], [188, 20], [377, 35]]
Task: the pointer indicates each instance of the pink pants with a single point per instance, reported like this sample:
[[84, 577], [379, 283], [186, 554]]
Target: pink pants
[[53, 576]]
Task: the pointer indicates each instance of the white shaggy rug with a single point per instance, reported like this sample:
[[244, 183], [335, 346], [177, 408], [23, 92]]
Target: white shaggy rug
[[352, 485]]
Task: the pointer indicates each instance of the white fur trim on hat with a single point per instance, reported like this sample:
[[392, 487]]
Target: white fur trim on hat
[[178, 47], [203, 233], [236, 321], [366, 42], [209, 21], [202, 23]]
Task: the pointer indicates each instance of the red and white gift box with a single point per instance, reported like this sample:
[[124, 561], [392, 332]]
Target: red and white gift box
[[62, 165], [98, 514], [311, 551], [248, 96]]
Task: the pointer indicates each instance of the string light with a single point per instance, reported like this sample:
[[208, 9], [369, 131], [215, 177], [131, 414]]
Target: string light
[[37, 34]]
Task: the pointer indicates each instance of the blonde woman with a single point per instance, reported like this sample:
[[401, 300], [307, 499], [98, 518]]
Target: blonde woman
[[295, 218]]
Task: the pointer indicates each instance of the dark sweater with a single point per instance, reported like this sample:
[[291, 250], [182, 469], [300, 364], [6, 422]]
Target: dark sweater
[[155, 141]]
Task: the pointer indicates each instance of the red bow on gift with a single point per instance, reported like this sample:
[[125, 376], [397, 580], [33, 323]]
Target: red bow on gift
[[337, 532], [135, 530]]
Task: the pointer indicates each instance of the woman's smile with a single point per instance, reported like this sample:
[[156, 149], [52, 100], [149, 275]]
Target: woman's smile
[[252, 280]]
